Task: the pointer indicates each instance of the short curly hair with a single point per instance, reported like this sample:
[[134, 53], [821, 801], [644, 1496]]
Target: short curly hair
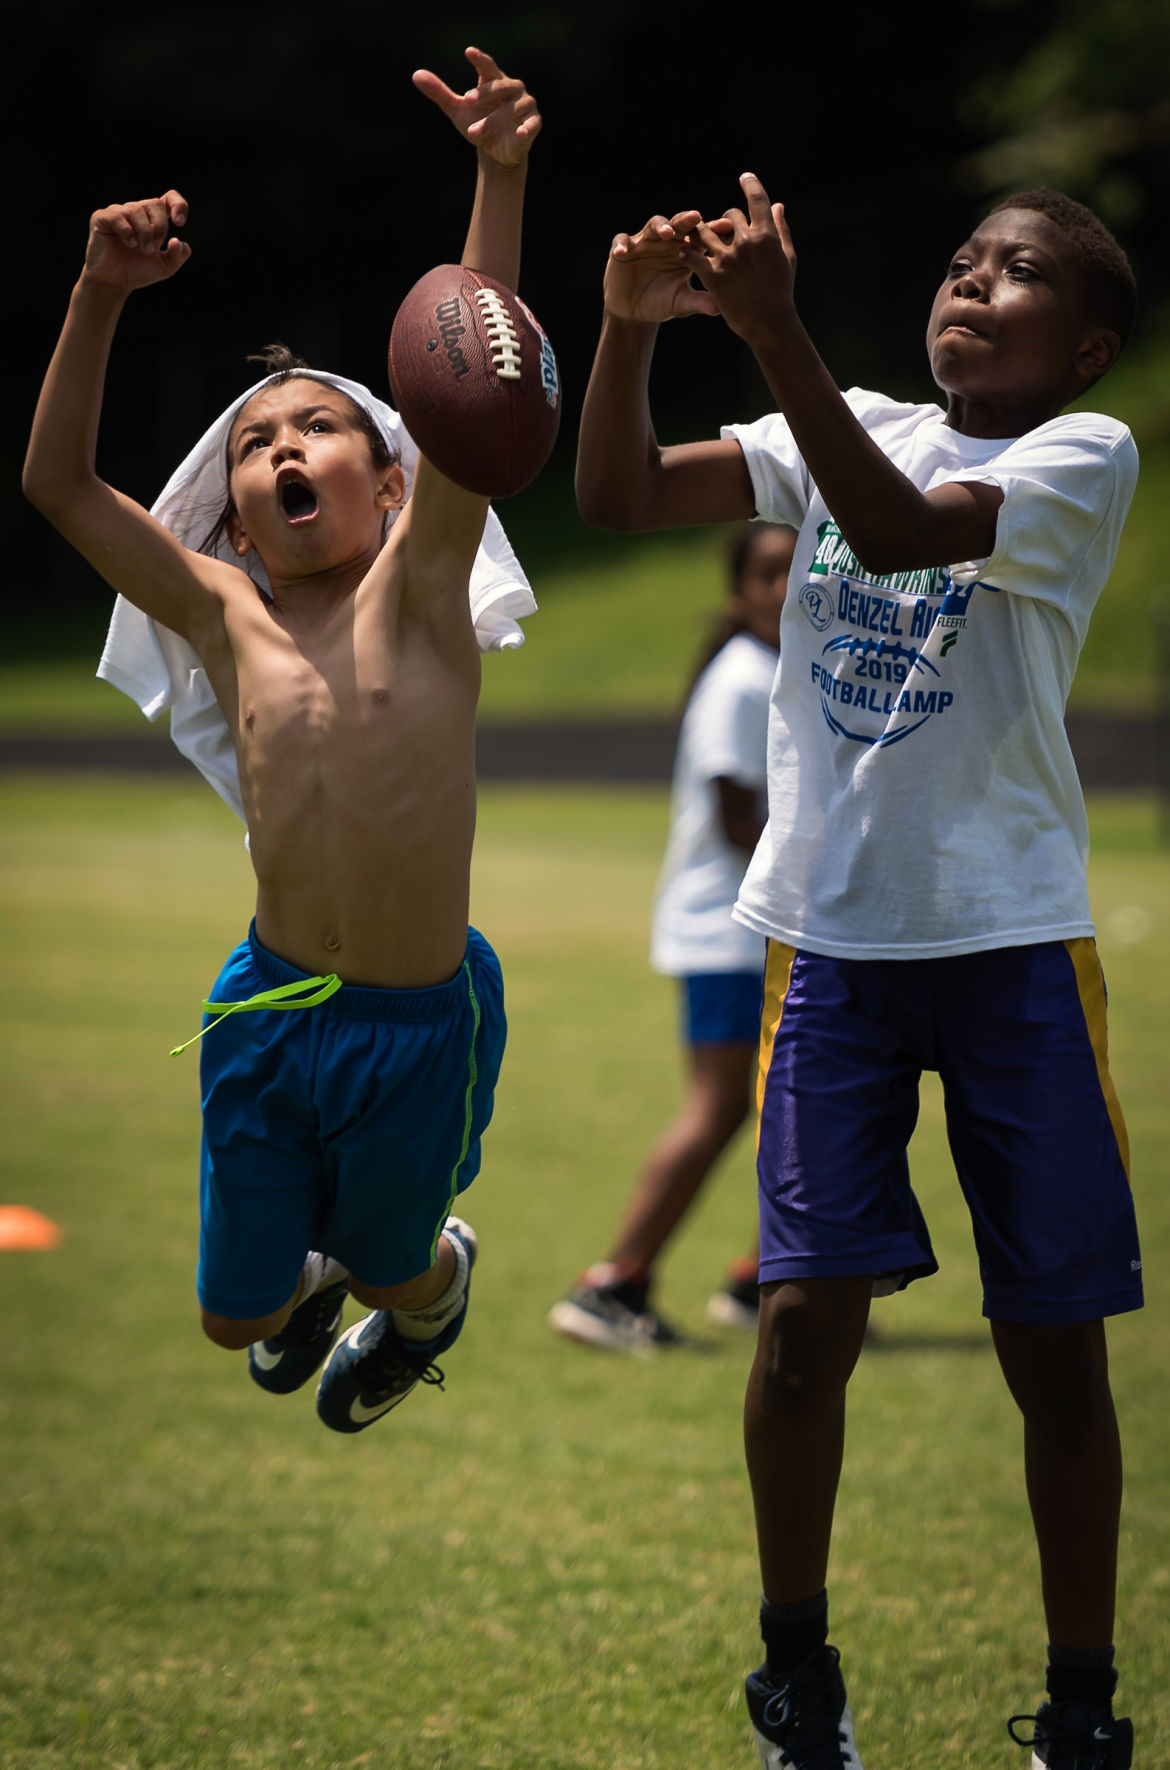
[[1108, 274]]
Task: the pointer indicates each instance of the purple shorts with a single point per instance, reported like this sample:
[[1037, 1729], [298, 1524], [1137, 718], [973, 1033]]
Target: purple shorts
[[1017, 1036]]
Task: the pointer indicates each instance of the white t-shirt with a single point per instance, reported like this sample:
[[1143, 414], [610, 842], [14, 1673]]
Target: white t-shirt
[[724, 732], [922, 794]]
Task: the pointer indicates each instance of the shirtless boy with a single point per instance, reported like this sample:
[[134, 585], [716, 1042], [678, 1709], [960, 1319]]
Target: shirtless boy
[[340, 1123], [921, 881]]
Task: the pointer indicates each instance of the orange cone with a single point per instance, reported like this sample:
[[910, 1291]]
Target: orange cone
[[22, 1227]]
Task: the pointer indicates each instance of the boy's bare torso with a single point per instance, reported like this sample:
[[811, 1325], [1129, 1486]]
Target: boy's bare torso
[[351, 694], [353, 718]]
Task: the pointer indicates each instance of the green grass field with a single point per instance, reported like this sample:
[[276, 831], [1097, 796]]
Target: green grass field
[[552, 1562]]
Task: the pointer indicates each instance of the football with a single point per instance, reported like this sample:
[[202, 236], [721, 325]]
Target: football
[[475, 379]]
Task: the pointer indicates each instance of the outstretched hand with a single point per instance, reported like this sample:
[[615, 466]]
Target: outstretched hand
[[498, 115], [128, 247], [648, 276], [746, 262]]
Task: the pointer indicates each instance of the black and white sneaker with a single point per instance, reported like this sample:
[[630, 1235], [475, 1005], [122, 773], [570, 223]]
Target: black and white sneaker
[[290, 1357], [372, 1367], [804, 1723], [1071, 1736], [609, 1308]]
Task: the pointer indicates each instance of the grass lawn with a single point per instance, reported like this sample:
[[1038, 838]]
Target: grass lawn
[[551, 1563]]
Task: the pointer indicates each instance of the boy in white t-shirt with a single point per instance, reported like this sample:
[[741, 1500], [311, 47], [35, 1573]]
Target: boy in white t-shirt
[[921, 881]]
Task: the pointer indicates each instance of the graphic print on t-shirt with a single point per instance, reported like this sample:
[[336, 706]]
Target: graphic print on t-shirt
[[876, 681]]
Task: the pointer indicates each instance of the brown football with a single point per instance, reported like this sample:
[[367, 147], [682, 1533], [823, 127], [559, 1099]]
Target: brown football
[[476, 381]]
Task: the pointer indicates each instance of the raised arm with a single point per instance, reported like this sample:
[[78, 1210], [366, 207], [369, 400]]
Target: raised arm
[[747, 264], [499, 117], [624, 479], [128, 249]]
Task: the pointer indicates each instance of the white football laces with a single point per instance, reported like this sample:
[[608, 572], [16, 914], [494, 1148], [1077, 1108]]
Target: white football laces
[[503, 338]]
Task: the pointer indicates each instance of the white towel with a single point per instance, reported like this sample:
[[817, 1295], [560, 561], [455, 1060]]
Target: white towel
[[160, 671]]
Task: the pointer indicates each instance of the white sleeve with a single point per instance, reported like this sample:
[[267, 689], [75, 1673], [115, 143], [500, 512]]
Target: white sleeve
[[780, 479], [1067, 488], [781, 482], [728, 725]]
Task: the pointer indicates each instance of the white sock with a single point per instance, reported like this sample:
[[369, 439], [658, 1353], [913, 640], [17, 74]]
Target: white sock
[[319, 1272], [429, 1321]]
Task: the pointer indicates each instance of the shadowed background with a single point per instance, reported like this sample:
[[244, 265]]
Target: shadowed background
[[321, 185]]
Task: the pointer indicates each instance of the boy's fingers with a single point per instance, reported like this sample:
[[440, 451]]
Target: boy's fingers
[[696, 260], [158, 221], [657, 233], [658, 230], [697, 301], [498, 106], [112, 221], [436, 90], [144, 224], [504, 112], [500, 88], [484, 65], [756, 197]]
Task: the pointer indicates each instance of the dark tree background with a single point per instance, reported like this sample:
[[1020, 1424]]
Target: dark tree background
[[321, 185]]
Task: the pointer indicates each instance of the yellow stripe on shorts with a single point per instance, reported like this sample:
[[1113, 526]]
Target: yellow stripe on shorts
[[1091, 989], [777, 977]]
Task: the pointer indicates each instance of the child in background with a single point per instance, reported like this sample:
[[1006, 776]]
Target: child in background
[[717, 812]]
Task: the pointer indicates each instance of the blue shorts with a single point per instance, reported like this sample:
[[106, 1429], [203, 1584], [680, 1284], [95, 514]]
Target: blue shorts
[[722, 1007], [1017, 1036], [349, 1127]]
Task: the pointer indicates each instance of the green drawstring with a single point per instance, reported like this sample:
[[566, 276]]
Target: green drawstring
[[288, 995]]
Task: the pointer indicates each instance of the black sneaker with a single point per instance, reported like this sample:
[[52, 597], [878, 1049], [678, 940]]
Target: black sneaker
[[1071, 1736], [372, 1368], [804, 1723], [290, 1357], [610, 1310]]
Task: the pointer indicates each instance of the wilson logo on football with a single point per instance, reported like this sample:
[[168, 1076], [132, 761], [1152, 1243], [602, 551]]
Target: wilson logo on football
[[449, 320]]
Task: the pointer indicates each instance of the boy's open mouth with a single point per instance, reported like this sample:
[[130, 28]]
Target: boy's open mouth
[[297, 500]]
